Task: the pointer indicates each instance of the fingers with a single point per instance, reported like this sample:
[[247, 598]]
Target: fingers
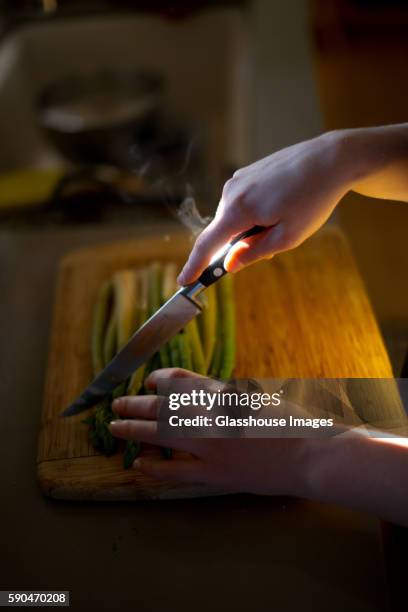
[[233, 260], [144, 431], [211, 239], [137, 407], [147, 431], [153, 378], [265, 245], [183, 470]]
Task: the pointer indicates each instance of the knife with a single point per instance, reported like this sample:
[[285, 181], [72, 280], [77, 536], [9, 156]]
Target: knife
[[155, 332]]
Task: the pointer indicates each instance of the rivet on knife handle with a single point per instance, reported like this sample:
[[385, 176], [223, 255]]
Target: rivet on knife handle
[[216, 269]]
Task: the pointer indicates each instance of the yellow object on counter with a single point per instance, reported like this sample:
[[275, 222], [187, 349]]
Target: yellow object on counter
[[27, 188]]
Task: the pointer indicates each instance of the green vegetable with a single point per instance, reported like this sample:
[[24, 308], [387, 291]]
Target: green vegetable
[[155, 278], [208, 324], [111, 338], [175, 358], [126, 296], [216, 359], [155, 301], [141, 314], [132, 451], [169, 285], [101, 438], [184, 351], [197, 355], [133, 447], [165, 357], [120, 390], [100, 320], [227, 315]]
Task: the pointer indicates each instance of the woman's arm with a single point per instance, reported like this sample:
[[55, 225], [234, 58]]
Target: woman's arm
[[294, 191], [369, 474], [385, 151]]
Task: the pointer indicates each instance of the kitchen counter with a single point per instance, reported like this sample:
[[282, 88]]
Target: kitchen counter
[[237, 551]]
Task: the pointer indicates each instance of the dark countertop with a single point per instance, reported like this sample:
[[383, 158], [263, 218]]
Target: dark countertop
[[236, 551]]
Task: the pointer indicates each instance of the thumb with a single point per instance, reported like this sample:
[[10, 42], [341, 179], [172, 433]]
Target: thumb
[[211, 239], [250, 250]]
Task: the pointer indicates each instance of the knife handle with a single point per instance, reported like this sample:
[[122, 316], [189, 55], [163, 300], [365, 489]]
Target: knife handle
[[216, 269]]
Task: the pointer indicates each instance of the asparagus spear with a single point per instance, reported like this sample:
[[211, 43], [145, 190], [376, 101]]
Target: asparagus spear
[[110, 343], [216, 358], [132, 450], [154, 287], [227, 315], [119, 329], [126, 295], [100, 436], [169, 285], [197, 355], [168, 288], [154, 363], [175, 359], [155, 301], [169, 280], [120, 390], [141, 315], [189, 352], [185, 349], [185, 357], [99, 323], [133, 447], [208, 324]]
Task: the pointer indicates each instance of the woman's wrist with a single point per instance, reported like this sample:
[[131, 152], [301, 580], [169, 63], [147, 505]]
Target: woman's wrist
[[352, 159], [360, 153], [357, 471], [302, 469], [319, 465], [327, 466]]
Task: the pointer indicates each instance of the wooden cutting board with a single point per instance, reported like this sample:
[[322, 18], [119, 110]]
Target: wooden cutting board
[[303, 314]]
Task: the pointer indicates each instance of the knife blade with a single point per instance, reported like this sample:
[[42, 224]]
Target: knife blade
[[157, 330], [181, 308]]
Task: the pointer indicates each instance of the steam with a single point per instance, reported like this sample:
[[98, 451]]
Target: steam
[[187, 158], [189, 214], [169, 186]]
